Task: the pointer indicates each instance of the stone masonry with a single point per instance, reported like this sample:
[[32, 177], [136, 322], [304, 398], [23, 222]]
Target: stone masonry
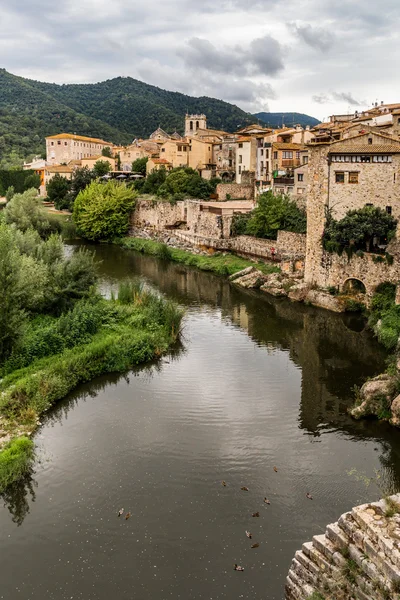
[[357, 558]]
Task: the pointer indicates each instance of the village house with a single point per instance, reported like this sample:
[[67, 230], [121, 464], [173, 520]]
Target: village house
[[348, 174], [62, 148]]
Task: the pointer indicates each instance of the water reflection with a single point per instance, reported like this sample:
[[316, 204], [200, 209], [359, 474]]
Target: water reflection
[[18, 496], [257, 382]]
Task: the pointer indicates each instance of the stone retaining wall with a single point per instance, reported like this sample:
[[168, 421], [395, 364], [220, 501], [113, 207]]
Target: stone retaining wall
[[358, 557], [335, 270], [236, 191]]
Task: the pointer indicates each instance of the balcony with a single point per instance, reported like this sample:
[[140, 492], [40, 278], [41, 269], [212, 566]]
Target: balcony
[[284, 180], [291, 162]]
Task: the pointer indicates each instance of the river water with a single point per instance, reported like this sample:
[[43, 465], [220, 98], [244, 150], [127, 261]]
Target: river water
[[257, 383]]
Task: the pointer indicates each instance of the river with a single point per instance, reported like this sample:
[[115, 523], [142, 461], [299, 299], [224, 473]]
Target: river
[[257, 383]]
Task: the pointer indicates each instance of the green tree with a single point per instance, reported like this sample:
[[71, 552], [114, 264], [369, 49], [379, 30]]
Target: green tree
[[10, 193], [275, 212], [139, 165], [81, 178], [33, 181], [101, 167], [106, 152], [12, 315], [57, 190], [358, 228], [101, 211], [25, 211]]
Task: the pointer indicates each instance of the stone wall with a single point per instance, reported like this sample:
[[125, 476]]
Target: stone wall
[[335, 270], [280, 249], [157, 216], [358, 557], [235, 190]]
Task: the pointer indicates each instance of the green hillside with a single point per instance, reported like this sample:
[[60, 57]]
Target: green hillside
[[287, 118], [117, 110]]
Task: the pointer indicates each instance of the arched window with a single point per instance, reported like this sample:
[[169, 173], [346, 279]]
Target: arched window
[[197, 124], [191, 125]]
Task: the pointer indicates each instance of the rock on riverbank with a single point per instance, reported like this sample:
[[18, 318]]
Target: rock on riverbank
[[294, 288]]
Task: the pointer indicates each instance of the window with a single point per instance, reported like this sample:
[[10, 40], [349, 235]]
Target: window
[[369, 204], [240, 145], [59, 143], [267, 154], [389, 210], [262, 166], [275, 155], [297, 154], [65, 143], [339, 177], [52, 143], [287, 154], [230, 162], [369, 140], [240, 159], [300, 177], [162, 149], [305, 160], [179, 148], [300, 191], [239, 169], [261, 152], [353, 177], [191, 126]]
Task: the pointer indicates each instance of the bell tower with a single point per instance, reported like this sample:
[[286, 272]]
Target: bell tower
[[193, 123]]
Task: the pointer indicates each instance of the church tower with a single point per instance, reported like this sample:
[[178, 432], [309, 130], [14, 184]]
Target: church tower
[[193, 123]]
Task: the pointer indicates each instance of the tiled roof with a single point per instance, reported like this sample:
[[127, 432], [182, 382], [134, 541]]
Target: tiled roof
[[160, 161], [287, 146], [365, 149], [81, 138], [59, 169]]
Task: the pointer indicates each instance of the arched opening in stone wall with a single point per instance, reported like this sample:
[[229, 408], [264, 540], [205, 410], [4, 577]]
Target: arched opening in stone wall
[[227, 176], [354, 286]]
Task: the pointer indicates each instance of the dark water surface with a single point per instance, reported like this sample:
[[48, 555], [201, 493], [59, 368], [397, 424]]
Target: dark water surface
[[257, 383]]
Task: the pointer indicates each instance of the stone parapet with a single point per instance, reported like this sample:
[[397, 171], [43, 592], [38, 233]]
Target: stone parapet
[[358, 557]]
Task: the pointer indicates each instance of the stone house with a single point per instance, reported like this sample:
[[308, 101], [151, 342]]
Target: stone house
[[154, 164], [138, 149], [62, 148], [344, 175]]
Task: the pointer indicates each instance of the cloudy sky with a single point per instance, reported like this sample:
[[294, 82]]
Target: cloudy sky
[[311, 56]]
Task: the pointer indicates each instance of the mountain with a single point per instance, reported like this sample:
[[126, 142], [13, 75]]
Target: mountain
[[117, 110], [287, 118]]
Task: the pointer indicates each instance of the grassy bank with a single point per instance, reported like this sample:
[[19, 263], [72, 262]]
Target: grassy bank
[[111, 336], [219, 263]]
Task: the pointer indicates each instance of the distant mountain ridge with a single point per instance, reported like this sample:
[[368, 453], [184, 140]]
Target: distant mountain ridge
[[117, 110], [289, 119]]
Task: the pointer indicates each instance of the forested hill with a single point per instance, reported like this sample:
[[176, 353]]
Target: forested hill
[[287, 118], [117, 110]]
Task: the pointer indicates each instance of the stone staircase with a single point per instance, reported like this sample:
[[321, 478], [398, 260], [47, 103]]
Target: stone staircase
[[358, 557]]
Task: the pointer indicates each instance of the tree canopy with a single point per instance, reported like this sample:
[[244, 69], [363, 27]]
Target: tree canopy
[[101, 210], [274, 213], [358, 228]]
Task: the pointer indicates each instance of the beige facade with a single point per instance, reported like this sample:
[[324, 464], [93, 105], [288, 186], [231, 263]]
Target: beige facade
[[246, 156], [90, 162], [62, 148], [193, 123], [154, 164], [63, 170]]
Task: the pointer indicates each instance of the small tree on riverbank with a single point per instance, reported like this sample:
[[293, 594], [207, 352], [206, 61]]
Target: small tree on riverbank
[[101, 210], [275, 212]]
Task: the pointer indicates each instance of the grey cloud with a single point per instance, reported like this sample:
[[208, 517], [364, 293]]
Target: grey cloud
[[342, 97], [346, 97], [316, 37], [264, 56], [321, 99]]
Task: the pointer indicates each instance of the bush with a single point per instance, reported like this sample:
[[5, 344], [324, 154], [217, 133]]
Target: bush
[[15, 461], [25, 211], [101, 167], [358, 228], [139, 165], [274, 213], [101, 211], [239, 224], [33, 181], [10, 193]]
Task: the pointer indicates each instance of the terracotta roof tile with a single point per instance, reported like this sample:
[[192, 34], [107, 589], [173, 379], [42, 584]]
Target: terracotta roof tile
[[365, 149], [81, 138]]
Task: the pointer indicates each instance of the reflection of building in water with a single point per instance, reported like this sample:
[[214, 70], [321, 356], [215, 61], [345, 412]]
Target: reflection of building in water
[[240, 316]]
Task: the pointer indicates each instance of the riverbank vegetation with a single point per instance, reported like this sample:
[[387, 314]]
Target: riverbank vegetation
[[56, 330], [219, 263], [273, 212], [102, 210]]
